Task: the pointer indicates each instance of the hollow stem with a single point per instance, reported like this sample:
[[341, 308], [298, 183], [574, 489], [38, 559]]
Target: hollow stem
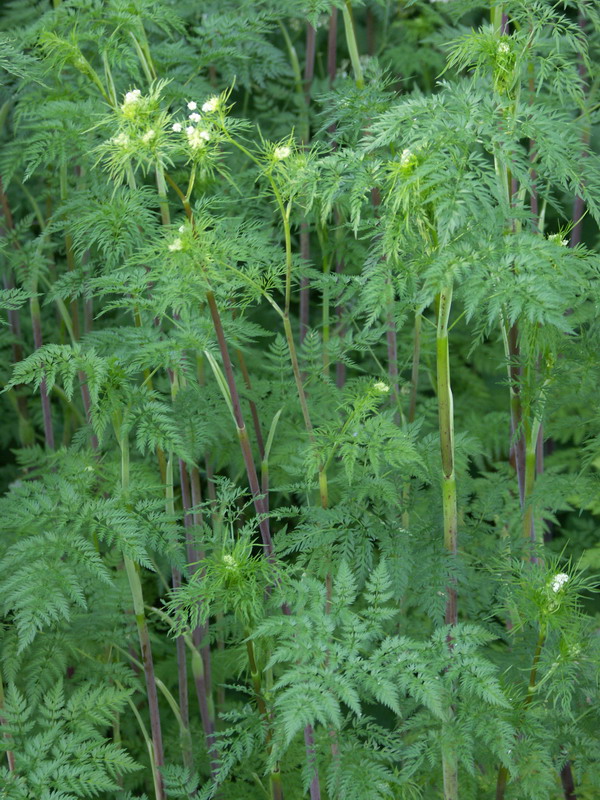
[[36, 323], [241, 428], [416, 357], [531, 687], [275, 776], [135, 585], [185, 737], [449, 502], [352, 45]]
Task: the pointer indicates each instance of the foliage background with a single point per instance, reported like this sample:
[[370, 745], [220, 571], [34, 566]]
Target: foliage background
[[432, 159]]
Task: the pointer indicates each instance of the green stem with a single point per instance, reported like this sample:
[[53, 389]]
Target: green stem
[[531, 689], [184, 717], [239, 422], [449, 502], [163, 202], [352, 45], [135, 585], [275, 777], [414, 382]]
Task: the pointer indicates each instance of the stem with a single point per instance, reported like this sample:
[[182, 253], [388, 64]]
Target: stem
[[450, 514], [135, 586], [414, 381], [163, 202], [26, 432], [202, 679], [9, 753], [304, 284], [309, 71], [352, 46], [503, 771], [332, 45], [185, 738], [392, 355], [252, 404], [446, 423], [578, 203], [275, 777], [36, 322], [531, 437], [241, 428], [511, 350]]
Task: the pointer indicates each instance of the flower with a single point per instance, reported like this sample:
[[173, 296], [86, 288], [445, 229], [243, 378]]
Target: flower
[[195, 117], [122, 140], [503, 48], [197, 138], [211, 105], [229, 561], [192, 105], [557, 239], [181, 228], [381, 387], [559, 581], [190, 129], [149, 135], [406, 157], [282, 152], [132, 97], [176, 126], [175, 245]]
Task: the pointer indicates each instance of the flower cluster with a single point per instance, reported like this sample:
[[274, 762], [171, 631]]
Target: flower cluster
[[281, 152], [558, 239], [559, 581], [197, 135]]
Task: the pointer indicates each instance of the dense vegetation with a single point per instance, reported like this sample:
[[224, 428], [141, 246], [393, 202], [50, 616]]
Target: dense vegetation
[[300, 367]]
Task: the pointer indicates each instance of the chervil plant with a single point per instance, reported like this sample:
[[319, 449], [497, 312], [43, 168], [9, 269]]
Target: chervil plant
[[300, 428]]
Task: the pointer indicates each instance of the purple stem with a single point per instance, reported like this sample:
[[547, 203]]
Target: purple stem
[[202, 674], [239, 421], [309, 742]]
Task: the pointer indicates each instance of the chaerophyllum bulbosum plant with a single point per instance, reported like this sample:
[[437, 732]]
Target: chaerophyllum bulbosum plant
[[300, 421]]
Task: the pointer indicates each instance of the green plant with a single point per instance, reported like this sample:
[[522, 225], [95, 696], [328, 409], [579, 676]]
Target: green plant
[[372, 582]]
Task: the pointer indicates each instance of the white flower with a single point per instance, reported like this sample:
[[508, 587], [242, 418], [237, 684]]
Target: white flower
[[195, 117], [122, 140], [181, 228], [559, 581], [557, 239], [503, 48], [229, 561], [175, 245], [197, 138], [282, 152], [132, 97], [149, 135], [211, 105], [176, 126], [192, 105], [406, 157], [381, 387]]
